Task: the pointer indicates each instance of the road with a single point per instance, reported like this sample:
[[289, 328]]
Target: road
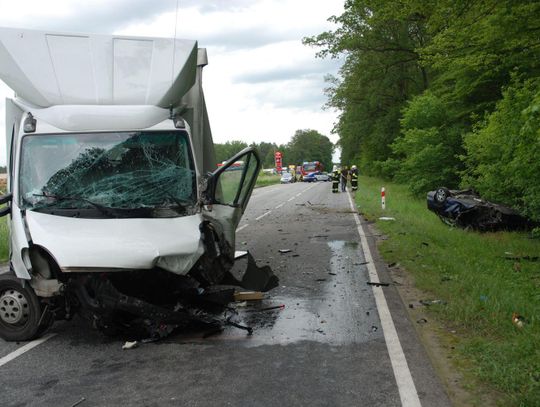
[[337, 342]]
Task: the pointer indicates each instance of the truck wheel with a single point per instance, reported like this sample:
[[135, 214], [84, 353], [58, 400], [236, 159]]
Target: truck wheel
[[20, 310]]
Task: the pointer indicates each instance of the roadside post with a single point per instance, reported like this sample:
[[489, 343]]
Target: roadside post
[[383, 198]]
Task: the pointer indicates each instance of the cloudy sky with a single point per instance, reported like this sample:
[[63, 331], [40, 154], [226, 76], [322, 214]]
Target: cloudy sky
[[261, 83]]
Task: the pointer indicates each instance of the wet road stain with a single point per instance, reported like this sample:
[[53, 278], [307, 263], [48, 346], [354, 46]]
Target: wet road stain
[[338, 310]]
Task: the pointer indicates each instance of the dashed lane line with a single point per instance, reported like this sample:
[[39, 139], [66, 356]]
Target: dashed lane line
[[290, 199], [263, 215], [407, 390], [25, 348], [279, 206]]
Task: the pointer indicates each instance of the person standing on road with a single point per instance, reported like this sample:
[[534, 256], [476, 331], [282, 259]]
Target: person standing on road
[[344, 176], [336, 174], [354, 178]]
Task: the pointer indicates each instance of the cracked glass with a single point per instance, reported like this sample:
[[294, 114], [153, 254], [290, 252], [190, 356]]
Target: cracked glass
[[123, 170]]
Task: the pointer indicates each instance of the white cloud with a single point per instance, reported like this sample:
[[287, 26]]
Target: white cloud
[[261, 83]]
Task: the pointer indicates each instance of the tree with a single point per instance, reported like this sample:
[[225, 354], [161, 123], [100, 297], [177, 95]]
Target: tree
[[309, 145], [227, 150]]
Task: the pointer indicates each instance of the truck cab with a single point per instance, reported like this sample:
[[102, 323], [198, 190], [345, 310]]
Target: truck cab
[[115, 205]]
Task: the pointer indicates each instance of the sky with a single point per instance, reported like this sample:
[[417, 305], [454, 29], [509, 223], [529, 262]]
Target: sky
[[261, 83]]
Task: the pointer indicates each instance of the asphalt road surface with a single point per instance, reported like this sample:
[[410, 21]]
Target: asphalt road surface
[[336, 342]]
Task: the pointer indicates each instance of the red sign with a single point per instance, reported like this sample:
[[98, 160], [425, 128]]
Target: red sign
[[277, 158]]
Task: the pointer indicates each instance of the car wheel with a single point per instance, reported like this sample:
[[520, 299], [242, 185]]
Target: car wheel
[[20, 310], [440, 195]]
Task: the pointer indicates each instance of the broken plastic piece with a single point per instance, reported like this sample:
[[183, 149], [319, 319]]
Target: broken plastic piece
[[386, 218], [239, 254], [518, 320], [282, 251], [130, 345]]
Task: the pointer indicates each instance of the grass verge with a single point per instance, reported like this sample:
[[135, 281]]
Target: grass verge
[[265, 180], [480, 287]]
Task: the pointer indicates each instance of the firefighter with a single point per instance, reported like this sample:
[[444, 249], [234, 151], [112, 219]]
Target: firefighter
[[336, 175], [354, 178]]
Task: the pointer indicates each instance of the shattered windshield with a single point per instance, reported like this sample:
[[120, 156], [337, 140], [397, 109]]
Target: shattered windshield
[[117, 170]]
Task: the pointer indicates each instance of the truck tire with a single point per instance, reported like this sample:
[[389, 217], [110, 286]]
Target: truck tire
[[20, 310]]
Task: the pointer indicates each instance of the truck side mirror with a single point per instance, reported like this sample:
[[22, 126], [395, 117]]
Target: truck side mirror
[[3, 200]]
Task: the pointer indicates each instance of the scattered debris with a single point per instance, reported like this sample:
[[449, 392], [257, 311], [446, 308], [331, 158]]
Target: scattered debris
[[392, 265], [427, 303], [361, 264], [321, 279], [517, 258], [319, 330], [283, 251], [378, 284], [248, 296], [78, 402], [279, 307], [483, 298], [422, 321], [373, 328], [333, 274], [425, 244], [239, 254], [518, 320], [386, 218], [130, 345], [411, 306], [295, 255]]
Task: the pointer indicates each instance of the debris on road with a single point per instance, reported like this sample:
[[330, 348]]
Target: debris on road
[[78, 402], [130, 345], [378, 284], [321, 279], [274, 307], [248, 296], [239, 254], [332, 274], [387, 218], [283, 251], [422, 321]]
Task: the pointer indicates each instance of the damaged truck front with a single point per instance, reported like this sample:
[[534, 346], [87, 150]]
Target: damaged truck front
[[114, 206]]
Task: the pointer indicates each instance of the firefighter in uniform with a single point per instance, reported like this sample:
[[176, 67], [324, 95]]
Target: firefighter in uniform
[[336, 175], [354, 178]]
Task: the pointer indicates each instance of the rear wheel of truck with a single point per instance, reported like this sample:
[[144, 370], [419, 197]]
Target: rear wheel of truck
[[20, 310]]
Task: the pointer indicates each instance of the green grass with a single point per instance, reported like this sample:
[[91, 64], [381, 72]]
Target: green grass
[[482, 289], [265, 180], [4, 236]]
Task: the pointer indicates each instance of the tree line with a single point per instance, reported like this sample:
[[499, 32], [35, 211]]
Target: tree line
[[305, 145], [440, 93]]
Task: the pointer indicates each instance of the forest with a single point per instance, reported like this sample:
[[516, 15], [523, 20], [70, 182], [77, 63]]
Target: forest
[[440, 93]]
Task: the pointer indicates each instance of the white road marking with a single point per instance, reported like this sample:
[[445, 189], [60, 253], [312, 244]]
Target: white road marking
[[25, 348], [279, 206], [291, 198], [263, 215], [242, 227], [297, 195], [404, 380]]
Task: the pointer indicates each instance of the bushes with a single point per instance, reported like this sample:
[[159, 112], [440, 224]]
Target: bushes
[[427, 149], [503, 151]]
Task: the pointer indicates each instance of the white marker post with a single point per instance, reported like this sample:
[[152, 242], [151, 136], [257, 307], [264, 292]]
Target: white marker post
[[383, 198]]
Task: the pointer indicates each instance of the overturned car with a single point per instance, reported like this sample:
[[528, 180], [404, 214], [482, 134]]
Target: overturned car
[[465, 209], [115, 207]]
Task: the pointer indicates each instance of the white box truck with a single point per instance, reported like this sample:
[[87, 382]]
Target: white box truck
[[115, 208]]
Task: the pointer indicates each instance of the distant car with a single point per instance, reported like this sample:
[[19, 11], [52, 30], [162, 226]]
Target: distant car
[[322, 176], [287, 178], [311, 177], [466, 209]]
